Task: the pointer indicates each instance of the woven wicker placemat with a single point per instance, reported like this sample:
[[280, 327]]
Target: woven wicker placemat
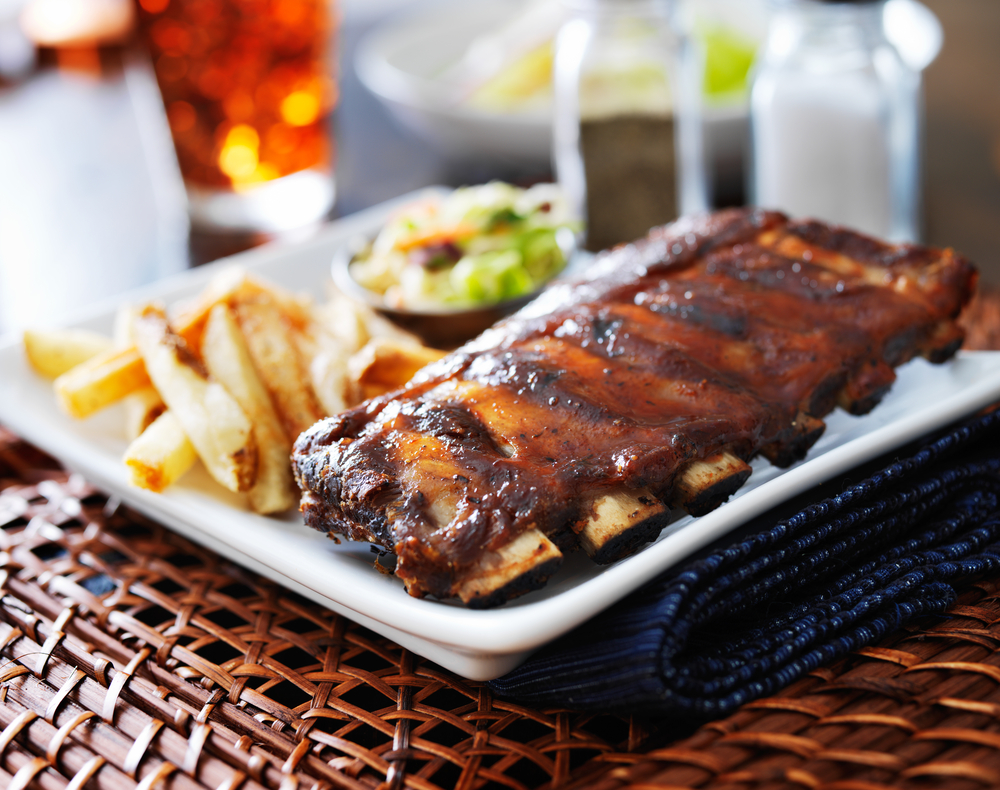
[[920, 710], [132, 657]]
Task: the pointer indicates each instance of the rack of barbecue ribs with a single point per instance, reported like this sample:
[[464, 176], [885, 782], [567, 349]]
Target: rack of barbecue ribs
[[640, 388]]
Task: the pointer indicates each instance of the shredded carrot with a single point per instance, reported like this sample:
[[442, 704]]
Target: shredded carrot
[[432, 235]]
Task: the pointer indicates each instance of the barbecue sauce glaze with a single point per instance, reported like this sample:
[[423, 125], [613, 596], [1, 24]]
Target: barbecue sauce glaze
[[712, 333]]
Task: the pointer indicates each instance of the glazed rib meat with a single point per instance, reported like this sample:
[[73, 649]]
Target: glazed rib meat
[[642, 387]]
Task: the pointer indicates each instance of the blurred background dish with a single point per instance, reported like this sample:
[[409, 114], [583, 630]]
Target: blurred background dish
[[417, 64], [92, 201], [408, 63]]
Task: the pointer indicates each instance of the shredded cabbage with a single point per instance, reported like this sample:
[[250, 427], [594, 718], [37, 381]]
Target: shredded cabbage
[[476, 246]]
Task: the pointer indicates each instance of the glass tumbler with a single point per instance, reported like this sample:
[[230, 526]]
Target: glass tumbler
[[248, 86]]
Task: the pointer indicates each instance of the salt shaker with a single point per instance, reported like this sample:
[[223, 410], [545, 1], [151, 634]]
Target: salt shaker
[[623, 128], [834, 116]]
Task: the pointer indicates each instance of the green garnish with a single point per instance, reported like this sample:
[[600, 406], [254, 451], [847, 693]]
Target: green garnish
[[477, 246]]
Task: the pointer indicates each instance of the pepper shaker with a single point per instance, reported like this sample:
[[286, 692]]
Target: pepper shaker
[[624, 130]]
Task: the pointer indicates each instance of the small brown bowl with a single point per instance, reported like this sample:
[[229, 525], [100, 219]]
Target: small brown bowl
[[441, 328]]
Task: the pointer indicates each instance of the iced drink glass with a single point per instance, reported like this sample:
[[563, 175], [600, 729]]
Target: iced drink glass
[[248, 87]]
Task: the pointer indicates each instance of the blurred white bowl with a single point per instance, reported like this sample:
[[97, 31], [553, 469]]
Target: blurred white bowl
[[404, 62]]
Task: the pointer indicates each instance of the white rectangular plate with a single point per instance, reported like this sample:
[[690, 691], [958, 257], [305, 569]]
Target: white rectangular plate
[[476, 644]]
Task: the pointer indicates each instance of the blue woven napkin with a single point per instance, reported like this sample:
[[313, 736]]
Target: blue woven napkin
[[746, 619]]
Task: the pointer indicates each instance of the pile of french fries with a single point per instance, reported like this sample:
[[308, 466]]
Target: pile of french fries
[[231, 377]]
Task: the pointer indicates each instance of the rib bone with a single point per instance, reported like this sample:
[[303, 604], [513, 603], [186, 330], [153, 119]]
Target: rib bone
[[706, 484], [621, 521], [520, 566]]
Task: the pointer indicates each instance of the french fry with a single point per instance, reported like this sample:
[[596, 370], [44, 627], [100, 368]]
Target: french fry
[[218, 428], [227, 358], [385, 364], [142, 408], [144, 405], [190, 316], [122, 372], [121, 335], [53, 352], [160, 455], [327, 360], [380, 327], [330, 381], [344, 319], [276, 359], [237, 374], [298, 310], [100, 381], [229, 286]]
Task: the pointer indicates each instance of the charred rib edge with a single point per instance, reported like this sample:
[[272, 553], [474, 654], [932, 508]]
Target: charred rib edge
[[866, 388], [522, 565], [943, 343], [805, 431]]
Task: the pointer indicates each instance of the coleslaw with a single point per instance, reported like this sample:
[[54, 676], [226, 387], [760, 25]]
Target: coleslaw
[[476, 246]]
